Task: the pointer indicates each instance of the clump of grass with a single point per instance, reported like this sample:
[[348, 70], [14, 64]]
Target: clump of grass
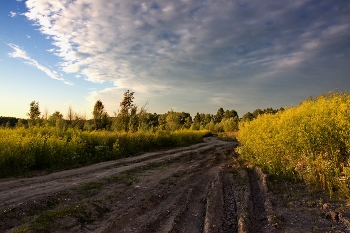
[[78, 214], [88, 187], [228, 136], [310, 142]]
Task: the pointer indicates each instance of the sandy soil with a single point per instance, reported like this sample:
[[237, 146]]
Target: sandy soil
[[201, 188]]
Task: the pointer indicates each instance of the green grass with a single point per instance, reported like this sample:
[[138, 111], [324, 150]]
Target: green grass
[[88, 187]]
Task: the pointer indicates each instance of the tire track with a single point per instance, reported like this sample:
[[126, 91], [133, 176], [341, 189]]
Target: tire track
[[195, 189], [14, 191]]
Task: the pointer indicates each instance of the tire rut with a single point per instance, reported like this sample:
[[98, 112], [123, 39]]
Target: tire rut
[[174, 206], [257, 202], [14, 191], [195, 191]]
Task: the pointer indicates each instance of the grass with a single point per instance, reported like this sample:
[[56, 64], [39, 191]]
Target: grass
[[89, 187], [23, 150], [228, 136], [45, 221]]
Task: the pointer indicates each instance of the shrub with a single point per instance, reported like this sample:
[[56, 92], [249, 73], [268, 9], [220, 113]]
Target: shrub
[[310, 142]]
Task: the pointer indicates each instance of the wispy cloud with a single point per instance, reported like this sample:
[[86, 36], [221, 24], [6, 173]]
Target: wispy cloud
[[12, 14], [19, 53], [172, 47]]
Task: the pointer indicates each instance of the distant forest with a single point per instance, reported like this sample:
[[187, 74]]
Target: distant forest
[[132, 118]]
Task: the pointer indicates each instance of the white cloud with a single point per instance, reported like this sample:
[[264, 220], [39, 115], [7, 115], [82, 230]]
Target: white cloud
[[12, 14], [174, 46], [19, 53]]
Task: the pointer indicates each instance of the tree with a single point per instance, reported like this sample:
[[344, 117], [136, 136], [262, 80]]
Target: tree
[[127, 102], [173, 120], [188, 122], [70, 115], [126, 106], [219, 115], [248, 117], [34, 112], [208, 118], [54, 117], [46, 114], [230, 114], [230, 124], [257, 112], [134, 120], [100, 115]]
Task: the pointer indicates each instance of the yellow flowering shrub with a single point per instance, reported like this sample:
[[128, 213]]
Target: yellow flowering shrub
[[310, 142]]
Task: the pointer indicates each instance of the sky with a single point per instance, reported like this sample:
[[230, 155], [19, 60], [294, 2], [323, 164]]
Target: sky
[[182, 55]]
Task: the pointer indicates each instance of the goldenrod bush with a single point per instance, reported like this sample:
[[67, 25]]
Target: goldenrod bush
[[51, 148], [310, 142]]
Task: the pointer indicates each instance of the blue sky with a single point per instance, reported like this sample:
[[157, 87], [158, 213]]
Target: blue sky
[[185, 55]]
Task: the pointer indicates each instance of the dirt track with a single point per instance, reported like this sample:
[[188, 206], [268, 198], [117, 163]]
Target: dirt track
[[201, 188]]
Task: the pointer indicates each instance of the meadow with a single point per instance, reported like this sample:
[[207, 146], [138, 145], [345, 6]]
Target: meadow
[[38, 148], [309, 143]]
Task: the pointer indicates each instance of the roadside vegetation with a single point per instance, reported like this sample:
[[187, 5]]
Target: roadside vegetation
[[53, 142], [309, 143], [48, 148]]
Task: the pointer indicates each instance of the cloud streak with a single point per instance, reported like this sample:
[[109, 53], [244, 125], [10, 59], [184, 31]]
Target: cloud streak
[[19, 53], [172, 47]]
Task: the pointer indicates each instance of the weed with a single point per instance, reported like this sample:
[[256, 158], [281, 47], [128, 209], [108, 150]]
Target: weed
[[89, 189], [45, 220]]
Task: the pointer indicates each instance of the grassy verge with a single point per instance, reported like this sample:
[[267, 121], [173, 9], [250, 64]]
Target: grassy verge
[[48, 148]]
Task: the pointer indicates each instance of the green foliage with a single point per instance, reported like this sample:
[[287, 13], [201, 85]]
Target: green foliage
[[310, 142], [8, 121], [34, 112], [101, 119], [219, 115], [51, 148], [172, 121], [127, 107], [223, 121]]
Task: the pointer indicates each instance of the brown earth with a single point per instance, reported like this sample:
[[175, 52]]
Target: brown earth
[[201, 188]]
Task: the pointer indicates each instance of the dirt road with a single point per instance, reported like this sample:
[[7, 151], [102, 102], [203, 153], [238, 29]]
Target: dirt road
[[201, 188]]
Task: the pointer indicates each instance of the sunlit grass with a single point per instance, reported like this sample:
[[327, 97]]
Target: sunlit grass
[[49, 148]]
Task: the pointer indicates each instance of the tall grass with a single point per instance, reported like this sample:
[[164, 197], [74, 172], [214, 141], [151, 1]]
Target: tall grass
[[49, 148], [310, 142]]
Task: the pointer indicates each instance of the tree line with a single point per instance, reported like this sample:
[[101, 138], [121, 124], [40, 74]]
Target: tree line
[[132, 118]]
